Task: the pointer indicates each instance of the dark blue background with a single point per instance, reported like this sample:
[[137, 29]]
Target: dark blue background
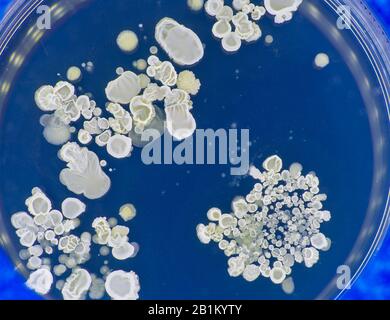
[[372, 284]]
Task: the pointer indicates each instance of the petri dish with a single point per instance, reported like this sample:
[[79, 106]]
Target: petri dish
[[334, 121]]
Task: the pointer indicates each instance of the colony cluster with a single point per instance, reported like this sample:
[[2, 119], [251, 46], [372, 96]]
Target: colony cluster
[[275, 226], [132, 108], [240, 22], [43, 231]]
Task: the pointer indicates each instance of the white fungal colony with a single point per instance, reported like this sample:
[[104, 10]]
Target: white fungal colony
[[40, 281], [121, 285], [72, 208], [83, 174], [188, 82], [55, 131], [77, 285], [282, 9], [119, 146], [180, 122], [239, 23], [124, 88], [181, 44], [44, 230], [275, 226]]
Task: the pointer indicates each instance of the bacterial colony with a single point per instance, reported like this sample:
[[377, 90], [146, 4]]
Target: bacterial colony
[[276, 225]]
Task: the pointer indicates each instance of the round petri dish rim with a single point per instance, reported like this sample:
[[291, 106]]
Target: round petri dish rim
[[375, 42]]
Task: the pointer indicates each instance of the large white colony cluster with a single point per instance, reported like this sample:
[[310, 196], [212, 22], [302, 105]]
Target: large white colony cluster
[[275, 226], [234, 27], [133, 107], [44, 231]]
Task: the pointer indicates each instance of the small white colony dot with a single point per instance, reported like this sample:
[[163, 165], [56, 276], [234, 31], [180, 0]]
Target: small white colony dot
[[50, 235], [231, 42], [273, 164], [121, 285], [84, 136], [34, 263], [97, 112], [321, 60], [225, 221], [127, 212], [49, 250], [113, 222], [295, 170], [24, 254], [59, 270], [153, 50], [269, 39], [127, 41], [277, 275], [195, 5], [104, 251], [60, 284], [214, 214], [288, 285], [90, 66], [119, 71], [251, 272], [188, 82], [221, 28], [35, 250], [212, 7], [226, 13], [201, 233], [140, 64], [73, 74], [104, 270], [72, 208], [319, 241], [119, 146]]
